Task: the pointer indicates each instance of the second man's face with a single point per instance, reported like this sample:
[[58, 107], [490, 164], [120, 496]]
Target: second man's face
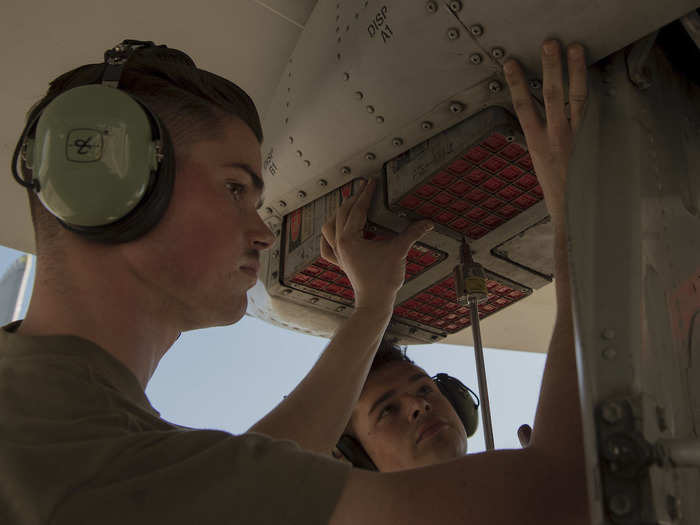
[[403, 421]]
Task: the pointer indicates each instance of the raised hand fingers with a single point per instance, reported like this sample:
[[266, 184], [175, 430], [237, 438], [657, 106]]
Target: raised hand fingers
[[327, 252], [522, 101], [358, 212], [578, 88], [553, 90]]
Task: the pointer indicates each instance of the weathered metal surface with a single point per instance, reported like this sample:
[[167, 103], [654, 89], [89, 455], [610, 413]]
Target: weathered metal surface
[[635, 246]]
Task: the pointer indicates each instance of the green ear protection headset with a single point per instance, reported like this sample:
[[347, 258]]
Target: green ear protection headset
[[101, 162], [463, 400]]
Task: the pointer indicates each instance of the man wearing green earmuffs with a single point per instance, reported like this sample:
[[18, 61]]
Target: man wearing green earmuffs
[[146, 225]]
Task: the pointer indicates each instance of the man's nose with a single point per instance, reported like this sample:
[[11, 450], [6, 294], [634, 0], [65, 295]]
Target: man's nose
[[261, 237], [417, 406]]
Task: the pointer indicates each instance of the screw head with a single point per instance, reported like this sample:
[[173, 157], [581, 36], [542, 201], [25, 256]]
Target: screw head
[[611, 412], [301, 194], [476, 58], [498, 52], [286, 291], [380, 119], [307, 163], [282, 204], [620, 505], [358, 95], [370, 109], [397, 141], [268, 210], [275, 275], [453, 33], [340, 309], [299, 153], [426, 125], [370, 156], [456, 6], [476, 30], [609, 353], [456, 107], [431, 7], [345, 170], [291, 140], [323, 183], [495, 87], [346, 76], [313, 300]]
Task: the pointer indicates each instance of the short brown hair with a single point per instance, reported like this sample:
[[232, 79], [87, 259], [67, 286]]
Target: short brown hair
[[388, 352], [191, 103]]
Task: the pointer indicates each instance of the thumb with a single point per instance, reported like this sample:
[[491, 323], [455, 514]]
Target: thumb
[[412, 233]]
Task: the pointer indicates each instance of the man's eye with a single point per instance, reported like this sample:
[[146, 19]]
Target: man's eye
[[237, 190], [387, 410], [425, 389]]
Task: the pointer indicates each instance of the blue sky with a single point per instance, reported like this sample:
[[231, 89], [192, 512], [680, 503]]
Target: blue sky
[[227, 378]]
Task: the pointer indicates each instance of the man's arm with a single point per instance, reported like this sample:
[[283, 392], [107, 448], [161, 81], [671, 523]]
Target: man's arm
[[545, 482], [316, 412]]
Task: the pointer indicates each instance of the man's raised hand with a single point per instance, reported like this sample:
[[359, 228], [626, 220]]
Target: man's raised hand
[[375, 268]]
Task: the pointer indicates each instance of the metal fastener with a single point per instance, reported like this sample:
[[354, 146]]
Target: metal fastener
[[608, 334], [275, 254], [535, 84], [611, 412], [476, 58], [426, 125], [301, 194], [431, 7], [609, 353], [313, 300], [370, 156], [307, 163], [323, 183], [277, 232], [370, 109], [498, 52], [476, 30], [286, 291], [412, 331], [268, 210], [456, 107], [282, 204], [453, 33], [346, 76], [340, 309], [433, 337], [397, 141], [275, 275], [299, 153], [380, 119], [358, 95], [345, 170], [620, 505], [495, 87], [456, 6], [291, 140]]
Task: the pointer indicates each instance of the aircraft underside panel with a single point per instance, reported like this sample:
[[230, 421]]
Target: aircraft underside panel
[[634, 226]]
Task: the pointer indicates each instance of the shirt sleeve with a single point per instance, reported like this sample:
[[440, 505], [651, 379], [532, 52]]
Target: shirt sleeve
[[205, 477]]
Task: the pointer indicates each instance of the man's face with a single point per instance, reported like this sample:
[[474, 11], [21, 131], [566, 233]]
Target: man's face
[[203, 256], [403, 421]]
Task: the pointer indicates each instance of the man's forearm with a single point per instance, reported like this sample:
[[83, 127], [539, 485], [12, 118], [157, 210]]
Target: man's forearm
[[316, 412]]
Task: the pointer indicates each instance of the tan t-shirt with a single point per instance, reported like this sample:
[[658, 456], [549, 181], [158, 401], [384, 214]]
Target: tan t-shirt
[[81, 444]]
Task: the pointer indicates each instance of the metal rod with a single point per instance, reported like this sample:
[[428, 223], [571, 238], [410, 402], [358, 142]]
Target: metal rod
[[682, 452], [481, 375]]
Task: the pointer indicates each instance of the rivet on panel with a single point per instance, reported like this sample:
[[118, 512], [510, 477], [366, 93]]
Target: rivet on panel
[[345, 170], [323, 183], [299, 153], [346, 76], [397, 141], [282, 204], [358, 95], [286, 291], [307, 163], [337, 57], [495, 87], [456, 107], [370, 109], [301, 194], [476, 30], [370, 156], [340, 309], [275, 254], [608, 334], [453, 33], [313, 300], [291, 140], [380, 119], [498, 52], [275, 275], [426, 125], [476, 58], [268, 210], [456, 6], [431, 7]]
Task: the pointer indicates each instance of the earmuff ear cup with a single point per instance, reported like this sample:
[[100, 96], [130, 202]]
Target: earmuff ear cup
[[152, 206], [460, 397], [355, 453]]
